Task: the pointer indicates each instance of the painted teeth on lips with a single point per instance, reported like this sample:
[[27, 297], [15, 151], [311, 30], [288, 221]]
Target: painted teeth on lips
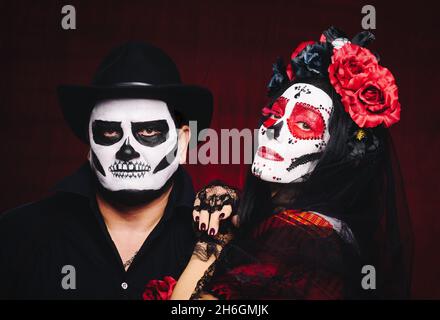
[[269, 154], [122, 167], [134, 174]]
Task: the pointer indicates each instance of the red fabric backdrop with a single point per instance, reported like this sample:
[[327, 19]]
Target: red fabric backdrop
[[227, 46]]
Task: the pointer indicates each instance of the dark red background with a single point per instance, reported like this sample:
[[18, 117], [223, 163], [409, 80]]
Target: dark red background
[[227, 46]]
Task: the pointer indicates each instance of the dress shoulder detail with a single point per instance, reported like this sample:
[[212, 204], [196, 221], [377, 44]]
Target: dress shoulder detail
[[318, 224], [315, 223]]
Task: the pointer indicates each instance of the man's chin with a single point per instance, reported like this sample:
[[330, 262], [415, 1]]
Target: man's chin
[[132, 198]]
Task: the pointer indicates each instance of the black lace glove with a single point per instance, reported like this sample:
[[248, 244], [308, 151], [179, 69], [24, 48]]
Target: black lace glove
[[214, 210]]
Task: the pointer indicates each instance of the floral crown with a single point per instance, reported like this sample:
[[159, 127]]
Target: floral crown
[[368, 90]]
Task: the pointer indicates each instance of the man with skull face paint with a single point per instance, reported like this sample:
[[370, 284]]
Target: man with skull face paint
[[134, 148], [125, 218], [322, 182]]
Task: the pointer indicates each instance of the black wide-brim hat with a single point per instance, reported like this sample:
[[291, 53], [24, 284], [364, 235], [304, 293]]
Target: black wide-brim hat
[[136, 71]]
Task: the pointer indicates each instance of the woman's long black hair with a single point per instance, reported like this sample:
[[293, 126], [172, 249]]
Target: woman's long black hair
[[356, 181]]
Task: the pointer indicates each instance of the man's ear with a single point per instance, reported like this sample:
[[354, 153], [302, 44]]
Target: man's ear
[[184, 133]]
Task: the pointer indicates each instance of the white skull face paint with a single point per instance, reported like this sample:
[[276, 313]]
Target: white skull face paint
[[133, 144], [292, 138]]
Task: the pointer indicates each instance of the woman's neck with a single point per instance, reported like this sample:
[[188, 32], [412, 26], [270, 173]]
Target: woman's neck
[[283, 195]]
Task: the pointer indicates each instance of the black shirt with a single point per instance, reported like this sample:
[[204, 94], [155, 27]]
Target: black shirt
[[67, 231]]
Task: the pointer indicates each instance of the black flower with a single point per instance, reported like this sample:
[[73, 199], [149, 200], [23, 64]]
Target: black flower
[[313, 61], [279, 77], [361, 142]]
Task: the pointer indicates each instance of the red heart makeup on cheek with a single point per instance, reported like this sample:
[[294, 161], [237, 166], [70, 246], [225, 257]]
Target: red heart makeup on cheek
[[303, 115]]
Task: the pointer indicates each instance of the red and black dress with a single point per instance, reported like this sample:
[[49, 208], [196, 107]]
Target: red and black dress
[[290, 255]]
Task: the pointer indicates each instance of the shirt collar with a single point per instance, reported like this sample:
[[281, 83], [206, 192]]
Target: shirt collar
[[82, 183]]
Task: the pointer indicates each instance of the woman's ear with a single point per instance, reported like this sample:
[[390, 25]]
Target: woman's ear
[[184, 136]]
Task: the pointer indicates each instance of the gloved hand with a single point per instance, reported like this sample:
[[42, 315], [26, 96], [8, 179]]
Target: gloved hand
[[215, 217]]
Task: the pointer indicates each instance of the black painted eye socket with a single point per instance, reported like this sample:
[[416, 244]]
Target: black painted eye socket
[[150, 133], [106, 133], [146, 133]]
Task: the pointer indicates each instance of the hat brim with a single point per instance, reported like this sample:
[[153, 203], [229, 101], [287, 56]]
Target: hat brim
[[194, 103]]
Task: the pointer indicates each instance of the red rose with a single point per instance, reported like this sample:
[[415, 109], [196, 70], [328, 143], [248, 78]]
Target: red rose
[[375, 101], [368, 91], [159, 289], [349, 64]]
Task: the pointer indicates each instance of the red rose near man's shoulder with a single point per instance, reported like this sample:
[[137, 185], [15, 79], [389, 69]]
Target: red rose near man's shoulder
[[159, 289]]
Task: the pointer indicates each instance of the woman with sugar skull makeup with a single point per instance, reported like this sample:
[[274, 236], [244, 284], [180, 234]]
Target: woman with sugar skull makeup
[[323, 202]]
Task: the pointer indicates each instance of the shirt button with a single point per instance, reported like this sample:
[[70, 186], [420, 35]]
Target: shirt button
[[124, 285]]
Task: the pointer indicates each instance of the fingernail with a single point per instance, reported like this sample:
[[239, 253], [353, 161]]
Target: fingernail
[[197, 219], [203, 227], [212, 232], [222, 215]]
